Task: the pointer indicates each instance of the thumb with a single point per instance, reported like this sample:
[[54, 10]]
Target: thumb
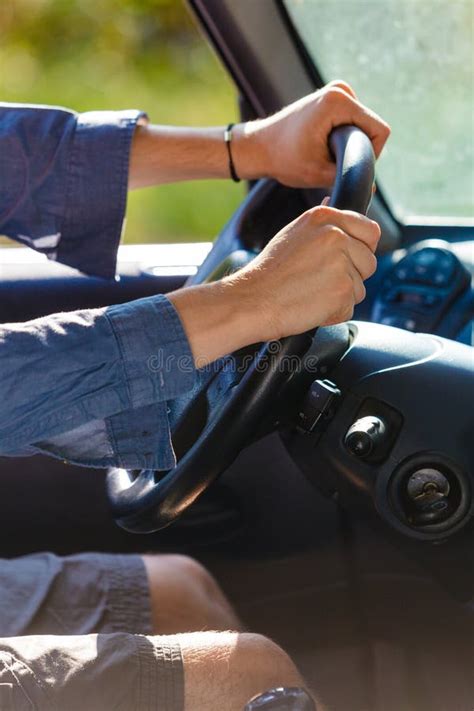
[[325, 201]]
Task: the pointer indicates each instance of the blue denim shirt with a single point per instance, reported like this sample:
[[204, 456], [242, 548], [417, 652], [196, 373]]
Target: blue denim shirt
[[89, 386]]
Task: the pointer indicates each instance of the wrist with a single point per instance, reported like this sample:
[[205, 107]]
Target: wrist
[[218, 318], [249, 150], [254, 306]]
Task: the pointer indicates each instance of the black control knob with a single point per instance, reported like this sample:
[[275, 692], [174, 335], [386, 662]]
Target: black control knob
[[364, 436], [282, 699]]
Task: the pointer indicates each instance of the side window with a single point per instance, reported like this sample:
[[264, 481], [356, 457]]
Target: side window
[[108, 55]]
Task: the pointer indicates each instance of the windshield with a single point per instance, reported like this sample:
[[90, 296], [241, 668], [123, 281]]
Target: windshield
[[412, 62]]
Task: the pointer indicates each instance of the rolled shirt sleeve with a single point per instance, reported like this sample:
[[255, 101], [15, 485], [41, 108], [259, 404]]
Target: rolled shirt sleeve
[[92, 386], [63, 182]]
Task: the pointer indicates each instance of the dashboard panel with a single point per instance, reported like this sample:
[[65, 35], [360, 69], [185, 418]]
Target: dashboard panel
[[426, 288]]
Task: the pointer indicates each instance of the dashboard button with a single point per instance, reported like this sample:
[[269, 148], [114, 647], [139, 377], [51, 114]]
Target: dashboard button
[[421, 270], [402, 273], [398, 321], [441, 278], [364, 436], [317, 404]]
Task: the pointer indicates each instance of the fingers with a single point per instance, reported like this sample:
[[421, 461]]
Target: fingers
[[358, 226], [375, 127], [361, 257], [347, 109], [341, 84], [351, 292], [358, 285]]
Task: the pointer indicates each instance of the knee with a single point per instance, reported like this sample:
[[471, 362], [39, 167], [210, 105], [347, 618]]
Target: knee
[[185, 596], [179, 576], [184, 567], [264, 664], [245, 664]]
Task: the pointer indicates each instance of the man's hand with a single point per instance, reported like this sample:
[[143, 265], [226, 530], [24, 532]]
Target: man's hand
[[292, 145], [310, 274]]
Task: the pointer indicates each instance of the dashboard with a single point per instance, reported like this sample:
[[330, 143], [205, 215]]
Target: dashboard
[[426, 288]]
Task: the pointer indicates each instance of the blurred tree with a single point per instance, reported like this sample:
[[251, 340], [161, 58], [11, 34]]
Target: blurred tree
[[51, 28], [93, 54]]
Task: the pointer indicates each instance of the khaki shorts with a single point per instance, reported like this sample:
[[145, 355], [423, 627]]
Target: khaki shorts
[[75, 633]]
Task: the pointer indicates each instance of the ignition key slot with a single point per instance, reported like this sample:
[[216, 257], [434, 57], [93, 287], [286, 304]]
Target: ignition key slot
[[429, 493]]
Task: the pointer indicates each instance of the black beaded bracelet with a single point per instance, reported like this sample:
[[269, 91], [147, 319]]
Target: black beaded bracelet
[[228, 140]]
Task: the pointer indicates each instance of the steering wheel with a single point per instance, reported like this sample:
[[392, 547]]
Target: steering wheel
[[146, 501]]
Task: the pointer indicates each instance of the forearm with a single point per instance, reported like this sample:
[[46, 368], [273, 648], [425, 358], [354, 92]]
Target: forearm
[[218, 318], [290, 146], [168, 154]]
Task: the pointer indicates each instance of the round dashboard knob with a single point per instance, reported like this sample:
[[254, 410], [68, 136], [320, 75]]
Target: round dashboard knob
[[364, 436], [282, 699]]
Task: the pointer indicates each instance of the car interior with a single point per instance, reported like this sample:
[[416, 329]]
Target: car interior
[[332, 498]]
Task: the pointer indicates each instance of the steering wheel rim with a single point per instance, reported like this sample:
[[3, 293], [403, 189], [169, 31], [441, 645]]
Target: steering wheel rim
[[141, 504]]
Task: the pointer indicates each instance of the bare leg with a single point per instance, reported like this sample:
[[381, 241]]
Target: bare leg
[[224, 670], [185, 597]]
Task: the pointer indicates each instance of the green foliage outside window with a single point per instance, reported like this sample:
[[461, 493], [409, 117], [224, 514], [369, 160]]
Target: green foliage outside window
[[109, 54]]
